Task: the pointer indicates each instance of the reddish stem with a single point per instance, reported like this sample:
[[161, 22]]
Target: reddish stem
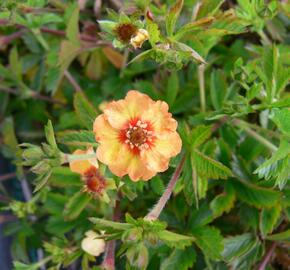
[[267, 257], [155, 212], [109, 258]]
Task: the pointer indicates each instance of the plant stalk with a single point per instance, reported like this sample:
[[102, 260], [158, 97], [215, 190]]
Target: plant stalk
[[155, 212], [201, 69]]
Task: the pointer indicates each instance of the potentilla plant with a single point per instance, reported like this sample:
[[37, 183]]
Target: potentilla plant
[[166, 139]]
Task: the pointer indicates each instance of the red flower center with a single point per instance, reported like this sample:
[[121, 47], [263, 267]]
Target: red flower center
[[138, 135], [95, 183]]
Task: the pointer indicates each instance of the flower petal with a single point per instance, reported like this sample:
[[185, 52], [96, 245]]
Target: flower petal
[[103, 130], [131, 164], [120, 112], [168, 144], [158, 115], [154, 161], [80, 166]]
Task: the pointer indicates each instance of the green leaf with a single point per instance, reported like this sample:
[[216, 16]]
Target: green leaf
[[237, 246], [254, 195], [24, 266], [42, 180], [218, 88], [188, 186], [283, 236], [208, 167], [281, 117], [210, 241], [154, 33], [277, 166], [64, 177], [174, 239], [105, 224], [172, 17], [49, 134], [72, 30], [209, 7], [77, 138], [199, 135], [223, 203], [179, 259], [157, 185], [85, 110], [76, 205], [269, 218], [15, 64], [172, 88]]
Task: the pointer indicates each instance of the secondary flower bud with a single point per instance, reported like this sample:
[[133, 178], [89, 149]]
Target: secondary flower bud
[[139, 38], [92, 244]]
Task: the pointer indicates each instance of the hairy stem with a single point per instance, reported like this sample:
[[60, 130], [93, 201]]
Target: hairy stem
[[72, 81], [201, 69], [267, 257], [155, 212], [66, 158], [109, 257]]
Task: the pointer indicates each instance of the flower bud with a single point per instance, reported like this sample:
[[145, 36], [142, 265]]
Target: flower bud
[[93, 245], [139, 38]]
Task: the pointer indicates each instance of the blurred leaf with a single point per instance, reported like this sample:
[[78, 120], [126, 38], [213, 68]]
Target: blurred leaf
[[210, 241], [282, 236], [281, 117], [77, 138], [76, 205], [218, 89], [209, 7], [179, 259], [72, 30], [172, 17], [172, 88], [237, 246], [84, 110], [269, 218], [254, 195]]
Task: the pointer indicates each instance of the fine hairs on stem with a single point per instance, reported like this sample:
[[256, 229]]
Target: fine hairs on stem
[[157, 209]]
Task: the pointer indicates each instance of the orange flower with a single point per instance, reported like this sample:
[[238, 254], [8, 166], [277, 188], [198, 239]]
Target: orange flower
[[95, 183], [137, 136]]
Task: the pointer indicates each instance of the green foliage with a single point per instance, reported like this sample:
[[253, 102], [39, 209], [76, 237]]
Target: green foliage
[[223, 69]]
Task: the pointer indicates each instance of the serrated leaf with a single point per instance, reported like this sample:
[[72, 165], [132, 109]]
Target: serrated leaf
[[179, 259], [269, 218], [85, 110], [210, 241], [281, 117], [49, 134], [223, 203], [76, 205], [153, 31], [105, 224], [77, 138], [208, 167], [174, 239], [172, 16], [237, 246], [42, 180], [277, 166], [72, 30], [209, 7], [254, 195], [199, 135]]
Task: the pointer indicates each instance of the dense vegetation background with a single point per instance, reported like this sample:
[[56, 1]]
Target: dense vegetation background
[[223, 68]]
